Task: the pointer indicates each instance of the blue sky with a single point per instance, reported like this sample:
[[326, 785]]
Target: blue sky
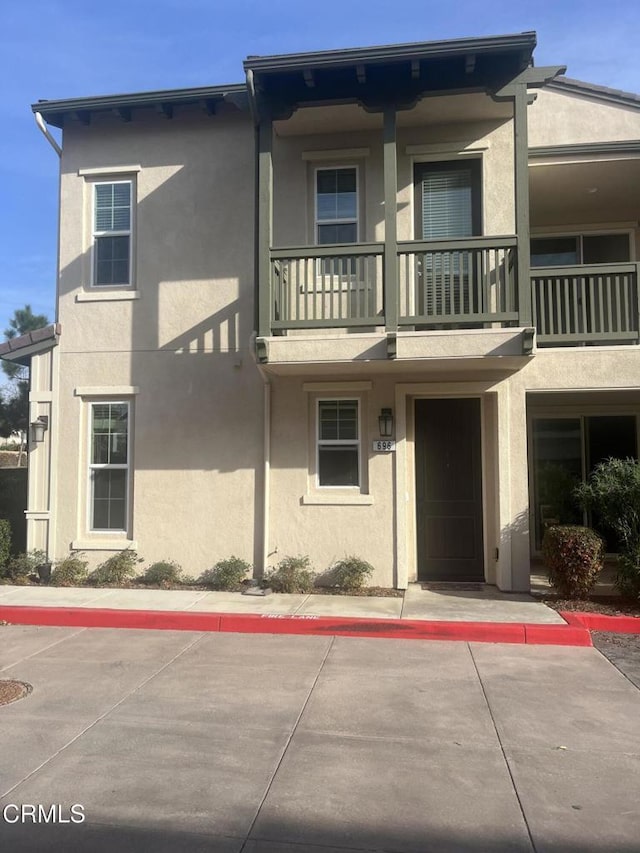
[[71, 48]]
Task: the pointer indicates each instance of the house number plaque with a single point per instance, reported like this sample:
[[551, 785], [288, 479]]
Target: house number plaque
[[384, 446]]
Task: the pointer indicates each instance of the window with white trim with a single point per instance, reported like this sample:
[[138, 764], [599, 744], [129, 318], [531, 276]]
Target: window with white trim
[[338, 440], [109, 466], [336, 214], [112, 233]]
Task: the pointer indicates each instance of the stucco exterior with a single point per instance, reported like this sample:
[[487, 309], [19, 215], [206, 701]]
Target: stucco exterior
[[223, 443]]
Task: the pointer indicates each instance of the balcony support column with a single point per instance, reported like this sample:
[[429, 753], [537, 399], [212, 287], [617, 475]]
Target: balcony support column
[[265, 225], [390, 226], [523, 228]]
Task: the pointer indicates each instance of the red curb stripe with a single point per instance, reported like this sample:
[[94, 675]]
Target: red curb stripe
[[603, 622], [480, 632], [557, 635], [90, 617]]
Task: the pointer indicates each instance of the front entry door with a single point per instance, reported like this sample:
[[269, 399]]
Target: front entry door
[[449, 490]]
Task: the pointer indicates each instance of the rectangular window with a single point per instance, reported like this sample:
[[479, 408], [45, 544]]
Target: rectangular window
[[448, 206], [112, 233], [338, 443], [565, 451], [336, 213], [580, 249], [448, 200], [109, 466]]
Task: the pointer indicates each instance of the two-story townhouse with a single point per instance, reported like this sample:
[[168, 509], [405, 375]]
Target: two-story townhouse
[[376, 301]]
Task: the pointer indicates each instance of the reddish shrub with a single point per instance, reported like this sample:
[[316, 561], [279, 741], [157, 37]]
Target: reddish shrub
[[574, 557]]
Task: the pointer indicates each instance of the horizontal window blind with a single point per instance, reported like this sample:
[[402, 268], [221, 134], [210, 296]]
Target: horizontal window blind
[[447, 204]]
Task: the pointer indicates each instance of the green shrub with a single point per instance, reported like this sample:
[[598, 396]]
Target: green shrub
[[5, 543], [115, 571], [292, 574], [613, 492], [574, 557], [226, 574], [163, 573], [348, 574], [22, 566], [70, 571]]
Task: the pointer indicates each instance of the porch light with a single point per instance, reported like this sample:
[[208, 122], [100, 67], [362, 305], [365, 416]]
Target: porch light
[[38, 428], [385, 423]]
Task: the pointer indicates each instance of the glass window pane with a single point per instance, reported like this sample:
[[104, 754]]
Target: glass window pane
[[336, 195], [346, 181], [338, 466], [554, 251], [605, 248], [113, 207], [338, 420], [557, 451], [109, 499], [112, 260]]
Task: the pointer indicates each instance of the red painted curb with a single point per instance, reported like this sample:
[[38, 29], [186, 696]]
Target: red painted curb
[[603, 622], [479, 632]]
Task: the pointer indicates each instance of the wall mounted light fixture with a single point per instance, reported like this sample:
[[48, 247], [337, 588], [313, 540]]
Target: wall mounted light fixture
[[38, 428], [385, 423]]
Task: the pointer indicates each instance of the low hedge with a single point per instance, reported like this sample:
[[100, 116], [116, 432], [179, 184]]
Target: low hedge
[[574, 557]]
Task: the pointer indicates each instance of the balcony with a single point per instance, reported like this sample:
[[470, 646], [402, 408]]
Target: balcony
[[586, 305], [444, 286], [454, 284]]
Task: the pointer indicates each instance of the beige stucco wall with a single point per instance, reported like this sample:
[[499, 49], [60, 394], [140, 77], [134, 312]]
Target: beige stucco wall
[[564, 118], [179, 351]]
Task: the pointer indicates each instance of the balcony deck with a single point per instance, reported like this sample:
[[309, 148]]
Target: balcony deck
[[452, 285]]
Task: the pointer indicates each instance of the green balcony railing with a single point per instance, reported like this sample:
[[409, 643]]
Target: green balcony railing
[[458, 283], [327, 286], [594, 304]]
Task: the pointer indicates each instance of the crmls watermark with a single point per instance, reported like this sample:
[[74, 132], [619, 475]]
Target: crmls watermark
[[31, 813]]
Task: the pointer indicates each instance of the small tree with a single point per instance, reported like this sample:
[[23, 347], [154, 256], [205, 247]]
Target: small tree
[[613, 491]]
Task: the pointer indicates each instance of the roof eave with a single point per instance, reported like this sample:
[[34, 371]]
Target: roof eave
[[20, 350], [524, 42]]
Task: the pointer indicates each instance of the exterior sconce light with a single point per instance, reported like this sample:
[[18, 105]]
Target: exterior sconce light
[[38, 428], [385, 423]]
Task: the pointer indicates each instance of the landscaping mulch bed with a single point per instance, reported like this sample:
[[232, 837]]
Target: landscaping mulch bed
[[623, 650], [11, 691], [610, 605]]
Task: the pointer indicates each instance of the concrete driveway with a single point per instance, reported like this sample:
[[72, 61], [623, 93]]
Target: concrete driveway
[[175, 741]]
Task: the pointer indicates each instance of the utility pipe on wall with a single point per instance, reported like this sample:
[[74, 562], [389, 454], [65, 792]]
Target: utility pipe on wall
[[43, 127]]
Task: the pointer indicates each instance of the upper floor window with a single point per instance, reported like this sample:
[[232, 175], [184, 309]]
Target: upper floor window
[[448, 199], [112, 232], [336, 207], [579, 249]]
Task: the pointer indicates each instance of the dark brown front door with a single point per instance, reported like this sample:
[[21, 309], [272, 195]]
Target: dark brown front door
[[449, 490]]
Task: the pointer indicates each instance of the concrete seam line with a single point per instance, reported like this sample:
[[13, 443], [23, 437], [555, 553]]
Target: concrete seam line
[[44, 649], [502, 750], [195, 601], [99, 719], [287, 743]]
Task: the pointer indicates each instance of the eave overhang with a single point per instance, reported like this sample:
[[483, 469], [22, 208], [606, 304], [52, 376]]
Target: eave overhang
[[165, 101], [389, 74], [19, 350]]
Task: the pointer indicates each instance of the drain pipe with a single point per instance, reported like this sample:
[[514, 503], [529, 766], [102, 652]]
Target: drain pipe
[[43, 127], [266, 474]]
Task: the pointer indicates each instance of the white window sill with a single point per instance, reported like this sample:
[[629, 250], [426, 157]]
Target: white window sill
[[104, 545], [107, 296], [337, 500]]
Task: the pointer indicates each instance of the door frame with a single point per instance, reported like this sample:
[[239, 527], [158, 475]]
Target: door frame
[[406, 555]]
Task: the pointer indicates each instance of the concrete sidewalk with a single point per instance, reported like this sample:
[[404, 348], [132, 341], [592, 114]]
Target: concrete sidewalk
[[484, 605], [227, 743]]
